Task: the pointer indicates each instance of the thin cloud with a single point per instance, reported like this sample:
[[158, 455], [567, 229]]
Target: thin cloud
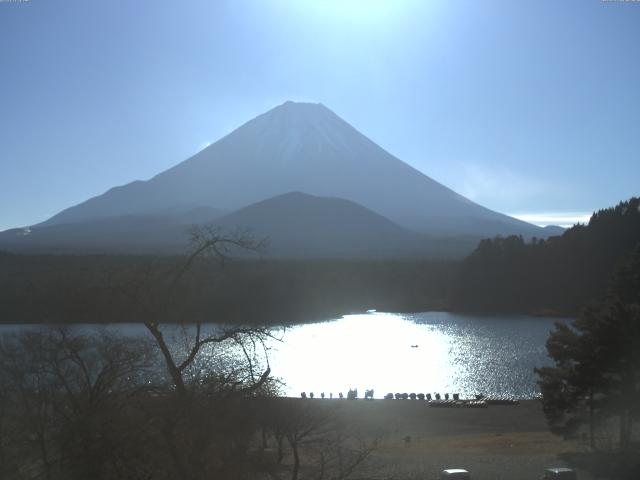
[[562, 219], [499, 186]]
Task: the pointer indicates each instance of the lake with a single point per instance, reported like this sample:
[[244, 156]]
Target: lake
[[421, 352]]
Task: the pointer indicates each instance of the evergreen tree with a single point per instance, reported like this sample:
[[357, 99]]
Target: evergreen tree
[[597, 361]]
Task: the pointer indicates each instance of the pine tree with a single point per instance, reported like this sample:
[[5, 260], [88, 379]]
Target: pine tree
[[597, 361]]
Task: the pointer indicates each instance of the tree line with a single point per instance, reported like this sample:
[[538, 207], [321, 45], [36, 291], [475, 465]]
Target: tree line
[[102, 288], [560, 275]]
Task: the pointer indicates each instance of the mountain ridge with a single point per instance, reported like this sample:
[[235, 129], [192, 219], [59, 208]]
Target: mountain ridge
[[295, 225], [308, 148]]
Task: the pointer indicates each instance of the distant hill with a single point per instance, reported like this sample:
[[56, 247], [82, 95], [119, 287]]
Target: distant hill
[[307, 148], [560, 275], [295, 225], [553, 230], [301, 225]]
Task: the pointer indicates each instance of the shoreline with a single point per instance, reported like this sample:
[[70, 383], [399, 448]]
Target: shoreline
[[416, 441], [493, 400], [313, 320]]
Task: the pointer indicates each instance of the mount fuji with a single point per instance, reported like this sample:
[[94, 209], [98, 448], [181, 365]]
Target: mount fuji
[[295, 147]]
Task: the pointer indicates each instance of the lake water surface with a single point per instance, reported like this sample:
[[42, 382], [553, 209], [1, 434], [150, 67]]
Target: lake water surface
[[422, 353]]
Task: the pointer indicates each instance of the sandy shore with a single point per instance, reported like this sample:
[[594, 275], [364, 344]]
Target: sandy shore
[[418, 441]]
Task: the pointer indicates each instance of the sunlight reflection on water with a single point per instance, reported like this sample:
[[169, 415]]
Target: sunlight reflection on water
[[454, 353]]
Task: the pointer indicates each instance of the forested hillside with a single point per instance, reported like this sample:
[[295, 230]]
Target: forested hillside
[[126, 288], [560, 275]]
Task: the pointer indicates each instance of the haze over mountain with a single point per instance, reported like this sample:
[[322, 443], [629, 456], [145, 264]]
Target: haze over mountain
[[301, 225], [307, 148], [162, 231], [293, 224]]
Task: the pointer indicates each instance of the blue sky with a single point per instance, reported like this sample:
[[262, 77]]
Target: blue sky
[[528, 107]]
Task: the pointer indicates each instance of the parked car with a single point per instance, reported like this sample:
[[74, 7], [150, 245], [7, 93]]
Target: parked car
[[455, 474]]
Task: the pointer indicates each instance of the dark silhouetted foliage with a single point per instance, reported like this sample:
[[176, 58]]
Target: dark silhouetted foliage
[[597, 362], [560, 275], [120, 288], [103, 406]]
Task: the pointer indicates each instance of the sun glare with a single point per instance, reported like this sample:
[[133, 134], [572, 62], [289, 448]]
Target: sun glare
[[357, 11]]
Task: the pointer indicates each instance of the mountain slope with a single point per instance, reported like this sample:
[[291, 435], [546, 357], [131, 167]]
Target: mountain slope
[[160, 232], [307, 148], [297, 224]]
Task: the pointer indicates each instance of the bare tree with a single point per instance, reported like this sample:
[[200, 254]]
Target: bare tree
[[317, 442], [208, 243], [342, 454], [210, 368], [67, 397]]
